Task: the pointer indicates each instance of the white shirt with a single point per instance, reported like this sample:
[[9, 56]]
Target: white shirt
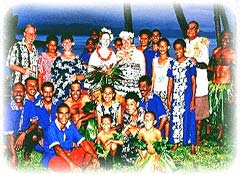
[[198, 48]]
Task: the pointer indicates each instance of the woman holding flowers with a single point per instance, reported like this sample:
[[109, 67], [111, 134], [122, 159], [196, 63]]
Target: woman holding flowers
[[132, 63], [103, 58]]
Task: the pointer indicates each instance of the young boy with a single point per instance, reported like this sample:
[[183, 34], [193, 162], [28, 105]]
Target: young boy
[[105, 137], [149, 158], [149, 134]]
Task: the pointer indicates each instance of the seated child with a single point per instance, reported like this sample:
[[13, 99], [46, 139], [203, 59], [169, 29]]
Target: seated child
[[106, 136], [149, 159]]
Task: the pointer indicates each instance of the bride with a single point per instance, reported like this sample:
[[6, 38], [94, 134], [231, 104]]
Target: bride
[[103, 56]]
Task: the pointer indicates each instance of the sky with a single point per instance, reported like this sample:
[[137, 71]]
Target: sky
[[152, 15]]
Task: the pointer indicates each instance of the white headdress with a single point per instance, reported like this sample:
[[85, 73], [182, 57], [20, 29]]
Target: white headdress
[[108, 31], [126, 34]]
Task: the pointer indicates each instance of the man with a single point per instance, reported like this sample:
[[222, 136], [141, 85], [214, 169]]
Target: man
[[21, 122], [23, 55], [152, 102], [145, 39], [89, 48], [32, 94], [59, 154], [156, 36], [117, 44], [76, 102], [46, 107], [221, 89], [95, 36], [11, 118], [197, 50]]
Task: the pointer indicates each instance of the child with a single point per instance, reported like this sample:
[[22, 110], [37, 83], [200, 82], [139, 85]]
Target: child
[[106, 138], [160, 80], [109, 106], [181, 98], [149, 158]]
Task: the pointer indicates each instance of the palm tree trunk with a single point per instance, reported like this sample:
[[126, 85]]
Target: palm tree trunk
[[181, 18], [128, 17]]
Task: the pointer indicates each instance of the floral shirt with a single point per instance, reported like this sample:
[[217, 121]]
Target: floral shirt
[[20, 55], [198, 48], [45, 63], [133, 66], [129, 152], [112, 110], [62, 72]]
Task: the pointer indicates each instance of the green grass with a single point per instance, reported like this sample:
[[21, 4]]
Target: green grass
[[210, 157]]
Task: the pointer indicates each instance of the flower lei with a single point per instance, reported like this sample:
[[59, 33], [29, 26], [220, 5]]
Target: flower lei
[[126, 34], [125, 55], [99, 55]]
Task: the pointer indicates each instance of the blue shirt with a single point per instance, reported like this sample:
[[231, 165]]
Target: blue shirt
[[155, 105], [149, 55], [37, 97], [56, 136], [45, 117], [85, 56], [18, 120]]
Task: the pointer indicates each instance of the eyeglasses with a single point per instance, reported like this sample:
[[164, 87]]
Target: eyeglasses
[[193, 28]]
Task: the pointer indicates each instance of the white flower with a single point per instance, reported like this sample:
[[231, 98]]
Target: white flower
[[126, 34], [108, 31]]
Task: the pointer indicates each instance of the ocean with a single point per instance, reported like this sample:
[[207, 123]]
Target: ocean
[[81, 40]]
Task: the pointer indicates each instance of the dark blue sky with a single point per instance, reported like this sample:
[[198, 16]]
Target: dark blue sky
[[152, 15]]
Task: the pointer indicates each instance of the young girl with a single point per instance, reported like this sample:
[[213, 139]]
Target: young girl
[[181, 98], [160, 79], [46, 59], [109, 106]]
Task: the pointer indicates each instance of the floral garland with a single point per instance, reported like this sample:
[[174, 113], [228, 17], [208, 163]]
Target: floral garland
[[108, 31], [104, 59], [198, 47], [126, 34], [100, 77], [125, 55]]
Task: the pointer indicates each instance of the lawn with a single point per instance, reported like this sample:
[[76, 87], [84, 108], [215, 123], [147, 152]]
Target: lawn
[[210, 157]]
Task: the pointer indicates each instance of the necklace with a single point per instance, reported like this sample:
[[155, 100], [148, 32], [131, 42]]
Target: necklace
[[104, 59]]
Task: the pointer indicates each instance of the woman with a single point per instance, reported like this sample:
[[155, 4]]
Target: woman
[[160, 66], [66, 68], [46, 59], [103, 56], [132, 63], [102, 59], [181, 98]]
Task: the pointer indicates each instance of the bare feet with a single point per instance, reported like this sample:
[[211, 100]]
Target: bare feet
[[174, 147], [193, 150], [199, 142]]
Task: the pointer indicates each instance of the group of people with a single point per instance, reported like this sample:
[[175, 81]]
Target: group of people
[[59, 110]]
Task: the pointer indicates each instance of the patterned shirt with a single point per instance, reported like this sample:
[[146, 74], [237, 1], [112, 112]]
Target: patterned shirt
[[20, 55], [62, 72], [45, 63]]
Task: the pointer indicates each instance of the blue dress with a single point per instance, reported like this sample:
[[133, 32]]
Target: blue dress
[[182, 120]]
